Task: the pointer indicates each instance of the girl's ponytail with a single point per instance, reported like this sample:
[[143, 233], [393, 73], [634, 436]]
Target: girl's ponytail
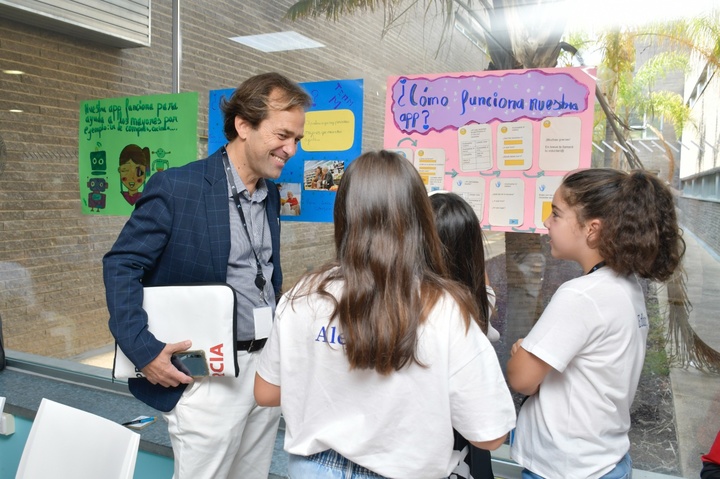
[[640, 232]]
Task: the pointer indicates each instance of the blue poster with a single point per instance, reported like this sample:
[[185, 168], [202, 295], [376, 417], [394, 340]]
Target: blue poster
[[333, 138]]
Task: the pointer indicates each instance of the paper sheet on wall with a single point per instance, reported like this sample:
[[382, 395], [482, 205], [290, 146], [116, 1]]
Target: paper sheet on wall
[[560, 143], [507, 200], [514, 145], [430, 162], [472, 190], [475, 146]]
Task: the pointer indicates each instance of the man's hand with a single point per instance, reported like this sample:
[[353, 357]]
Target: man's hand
[[161, 371]]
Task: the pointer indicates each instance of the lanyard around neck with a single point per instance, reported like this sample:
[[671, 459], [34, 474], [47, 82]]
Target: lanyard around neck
[[259, 278], [596, 267]]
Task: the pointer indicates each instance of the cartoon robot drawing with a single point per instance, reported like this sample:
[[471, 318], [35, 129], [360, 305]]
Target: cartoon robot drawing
[[96, 197], [160, 163], [98, 161]]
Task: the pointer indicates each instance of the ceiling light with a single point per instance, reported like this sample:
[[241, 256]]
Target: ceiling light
[[15, 110], [277, 42], [14, 72]]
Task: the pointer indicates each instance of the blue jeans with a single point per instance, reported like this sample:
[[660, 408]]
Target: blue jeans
[[327, 465], [623, 470]]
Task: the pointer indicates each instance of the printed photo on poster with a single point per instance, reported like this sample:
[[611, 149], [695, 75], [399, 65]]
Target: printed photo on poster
[[323, 175], [290, 198]]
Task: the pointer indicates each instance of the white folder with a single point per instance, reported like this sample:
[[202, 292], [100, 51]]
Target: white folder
[[202, 313]]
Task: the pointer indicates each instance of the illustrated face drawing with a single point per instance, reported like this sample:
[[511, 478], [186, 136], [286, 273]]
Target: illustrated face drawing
[[133, 166], [132, 176]]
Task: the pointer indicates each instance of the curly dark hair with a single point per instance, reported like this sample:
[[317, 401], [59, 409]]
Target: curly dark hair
[[251, 100], [639, 230]]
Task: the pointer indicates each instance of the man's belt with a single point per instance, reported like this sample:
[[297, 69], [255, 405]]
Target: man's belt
[[252, 345]]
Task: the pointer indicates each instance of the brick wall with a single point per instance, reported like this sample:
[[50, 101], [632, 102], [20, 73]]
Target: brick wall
[[702, 218], [51, 292]]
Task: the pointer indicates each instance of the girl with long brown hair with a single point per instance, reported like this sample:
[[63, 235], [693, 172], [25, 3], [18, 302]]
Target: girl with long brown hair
[[376, 357], [464, 251]]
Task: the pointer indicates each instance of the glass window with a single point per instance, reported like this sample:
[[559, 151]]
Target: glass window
[[52, 298]]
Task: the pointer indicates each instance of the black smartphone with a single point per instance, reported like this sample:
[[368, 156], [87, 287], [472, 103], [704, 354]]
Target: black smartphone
[[192, 363]]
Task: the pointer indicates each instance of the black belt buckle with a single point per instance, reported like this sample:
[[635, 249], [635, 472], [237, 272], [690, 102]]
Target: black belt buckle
[[252, 345]]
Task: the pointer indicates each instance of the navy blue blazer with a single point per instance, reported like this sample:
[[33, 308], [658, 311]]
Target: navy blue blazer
[[179, 233]]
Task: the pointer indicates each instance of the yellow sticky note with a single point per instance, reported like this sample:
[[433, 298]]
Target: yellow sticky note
[[329, 130]]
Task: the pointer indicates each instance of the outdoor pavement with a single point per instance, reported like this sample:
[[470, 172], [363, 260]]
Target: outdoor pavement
[[696, 395]]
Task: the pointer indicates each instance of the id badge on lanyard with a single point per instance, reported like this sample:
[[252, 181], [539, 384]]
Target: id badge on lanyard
[[263, 321]]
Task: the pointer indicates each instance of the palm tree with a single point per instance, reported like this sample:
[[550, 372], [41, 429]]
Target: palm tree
[[512, 41], [527, 34], [630, 92]]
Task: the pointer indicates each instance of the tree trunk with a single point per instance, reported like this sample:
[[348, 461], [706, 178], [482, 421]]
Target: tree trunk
[[534, 45], [608, 155], [525, 268]]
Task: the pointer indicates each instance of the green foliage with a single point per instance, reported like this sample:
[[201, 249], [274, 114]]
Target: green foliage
[[334, 9], [699, 36], [671, 107], [638, 96], [619, 49], [394, 10], [537, 48], [658, 67], [331, 9], [631, 91]]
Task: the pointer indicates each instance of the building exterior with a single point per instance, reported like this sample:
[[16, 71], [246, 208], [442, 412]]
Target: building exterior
[[52, 298], [700, 159]]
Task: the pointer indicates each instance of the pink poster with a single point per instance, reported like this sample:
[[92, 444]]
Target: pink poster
[[502, 140]]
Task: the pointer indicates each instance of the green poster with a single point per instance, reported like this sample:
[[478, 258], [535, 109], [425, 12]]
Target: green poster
[[124, 141]]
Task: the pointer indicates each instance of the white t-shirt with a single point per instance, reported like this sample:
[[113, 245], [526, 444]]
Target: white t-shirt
[[399, 425], [593, 334]]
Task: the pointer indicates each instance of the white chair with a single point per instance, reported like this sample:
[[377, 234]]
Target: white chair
[[66, 443]]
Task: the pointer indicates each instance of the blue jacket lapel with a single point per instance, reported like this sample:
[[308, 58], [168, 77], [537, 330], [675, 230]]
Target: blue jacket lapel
[[217, 209]]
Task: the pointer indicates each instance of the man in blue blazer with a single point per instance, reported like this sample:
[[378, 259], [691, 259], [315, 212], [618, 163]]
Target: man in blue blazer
[[212, 220]]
